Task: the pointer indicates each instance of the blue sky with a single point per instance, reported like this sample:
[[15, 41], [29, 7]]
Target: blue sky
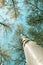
[[5, 16], [4, 40]]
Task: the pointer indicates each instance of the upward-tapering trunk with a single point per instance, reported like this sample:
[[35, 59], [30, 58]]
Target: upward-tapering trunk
[[33, 52]]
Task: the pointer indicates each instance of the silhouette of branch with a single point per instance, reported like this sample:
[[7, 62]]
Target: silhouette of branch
[[6, 25]]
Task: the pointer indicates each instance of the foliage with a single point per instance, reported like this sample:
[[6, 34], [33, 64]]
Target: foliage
[[13, 10], [4, 56], [2, 2], [18, 47], [20, 29], [6, 27], [16, 9], [35, 20]]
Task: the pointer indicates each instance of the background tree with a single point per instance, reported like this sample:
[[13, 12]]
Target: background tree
[[13, 30], [35, 20], [18, 46], [4, 56], [13, 10]]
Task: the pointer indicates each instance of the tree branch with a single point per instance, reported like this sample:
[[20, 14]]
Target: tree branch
[[4, 24], [35, 6]]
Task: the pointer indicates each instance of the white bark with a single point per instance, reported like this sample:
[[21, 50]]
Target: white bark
[[33, 52]]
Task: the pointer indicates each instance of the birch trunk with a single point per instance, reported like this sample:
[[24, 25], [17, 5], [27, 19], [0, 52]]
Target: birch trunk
[[33, 52]]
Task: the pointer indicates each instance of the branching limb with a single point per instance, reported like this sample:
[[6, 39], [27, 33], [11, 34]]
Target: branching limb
[[4, 24]]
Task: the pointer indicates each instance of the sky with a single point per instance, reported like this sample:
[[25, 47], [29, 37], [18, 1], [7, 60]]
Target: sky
[[5, 16]]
